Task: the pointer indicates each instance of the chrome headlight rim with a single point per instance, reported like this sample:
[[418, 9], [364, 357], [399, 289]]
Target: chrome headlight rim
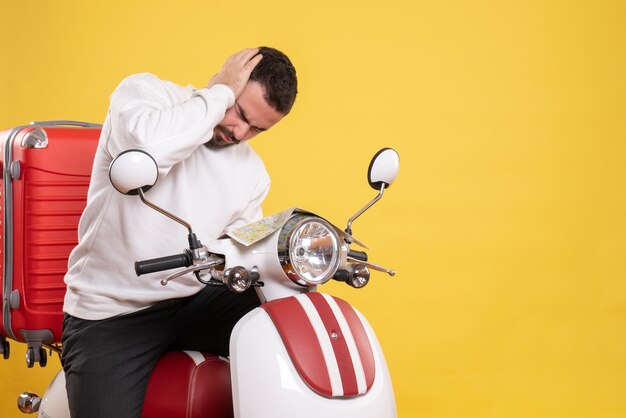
[[285, 245]]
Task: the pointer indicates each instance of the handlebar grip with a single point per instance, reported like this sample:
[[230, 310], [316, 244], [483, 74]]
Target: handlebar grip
[[359, 255], [342, 275], [162, 263]]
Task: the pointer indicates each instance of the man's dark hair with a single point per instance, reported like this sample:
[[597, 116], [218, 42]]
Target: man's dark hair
[[277, 74]]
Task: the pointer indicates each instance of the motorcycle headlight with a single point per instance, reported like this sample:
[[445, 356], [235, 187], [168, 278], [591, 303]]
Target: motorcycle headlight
[[308, 248]]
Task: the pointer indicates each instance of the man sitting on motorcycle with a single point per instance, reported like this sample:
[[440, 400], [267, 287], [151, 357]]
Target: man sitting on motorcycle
[[117, 325]]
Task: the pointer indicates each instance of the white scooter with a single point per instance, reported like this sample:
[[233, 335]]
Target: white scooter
[[300, 354]]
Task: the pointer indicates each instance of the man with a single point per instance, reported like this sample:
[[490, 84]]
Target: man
[[117, 325]]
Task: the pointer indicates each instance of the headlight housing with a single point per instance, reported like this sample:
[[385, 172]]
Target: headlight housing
[[309, 249]]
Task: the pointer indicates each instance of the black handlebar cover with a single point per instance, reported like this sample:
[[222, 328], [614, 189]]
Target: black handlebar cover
[[162, 263], [359, 255], [342, 276]]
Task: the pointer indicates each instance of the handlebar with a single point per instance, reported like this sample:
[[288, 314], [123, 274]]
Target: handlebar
[[163, 263], [359, 255]]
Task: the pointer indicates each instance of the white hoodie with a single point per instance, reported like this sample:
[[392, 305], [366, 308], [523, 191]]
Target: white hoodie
[[215, 190]]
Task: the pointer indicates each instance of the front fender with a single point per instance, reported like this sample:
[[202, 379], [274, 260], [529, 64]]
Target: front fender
[[54, 400]]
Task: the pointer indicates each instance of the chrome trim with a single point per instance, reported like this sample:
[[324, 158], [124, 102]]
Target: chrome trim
[[163, 211], [231, 275], [36, 138], [28, 403], [366, 207]]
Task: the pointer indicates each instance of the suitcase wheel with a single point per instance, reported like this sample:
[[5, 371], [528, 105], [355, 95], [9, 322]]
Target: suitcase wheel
[[6, 349], [33, 356]]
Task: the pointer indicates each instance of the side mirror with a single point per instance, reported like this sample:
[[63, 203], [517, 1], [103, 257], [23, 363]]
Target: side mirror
[[382, 171], [133, 170], [383, 168]]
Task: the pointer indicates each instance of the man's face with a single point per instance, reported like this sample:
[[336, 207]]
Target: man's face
[[249, 116]]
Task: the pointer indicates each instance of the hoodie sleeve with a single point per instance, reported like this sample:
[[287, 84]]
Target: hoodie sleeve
[[166, 120]]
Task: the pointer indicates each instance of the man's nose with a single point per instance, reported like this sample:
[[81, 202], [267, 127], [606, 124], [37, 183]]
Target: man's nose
[[241, 130]]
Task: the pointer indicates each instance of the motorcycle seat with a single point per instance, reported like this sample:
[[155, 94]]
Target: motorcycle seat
[[189, 384]]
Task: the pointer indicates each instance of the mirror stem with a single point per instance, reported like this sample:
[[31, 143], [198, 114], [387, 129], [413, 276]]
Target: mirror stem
[[164, 212], [366, 207]]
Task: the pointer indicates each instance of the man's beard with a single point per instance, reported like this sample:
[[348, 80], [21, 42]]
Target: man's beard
[[218, 141]]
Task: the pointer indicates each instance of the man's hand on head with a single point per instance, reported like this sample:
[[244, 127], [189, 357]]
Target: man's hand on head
[[236, 71]]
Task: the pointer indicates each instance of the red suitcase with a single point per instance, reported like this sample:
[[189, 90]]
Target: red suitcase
[[46, 167]]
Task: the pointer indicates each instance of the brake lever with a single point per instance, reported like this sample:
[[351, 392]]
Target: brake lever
[[211, 261]]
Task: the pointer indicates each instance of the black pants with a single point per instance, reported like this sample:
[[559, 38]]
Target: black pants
[[108, 362]]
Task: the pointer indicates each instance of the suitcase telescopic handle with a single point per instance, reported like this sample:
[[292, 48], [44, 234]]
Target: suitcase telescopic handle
[[66, 123]]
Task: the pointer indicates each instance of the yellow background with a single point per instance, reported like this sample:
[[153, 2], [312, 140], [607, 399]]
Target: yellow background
[[507, 224]]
